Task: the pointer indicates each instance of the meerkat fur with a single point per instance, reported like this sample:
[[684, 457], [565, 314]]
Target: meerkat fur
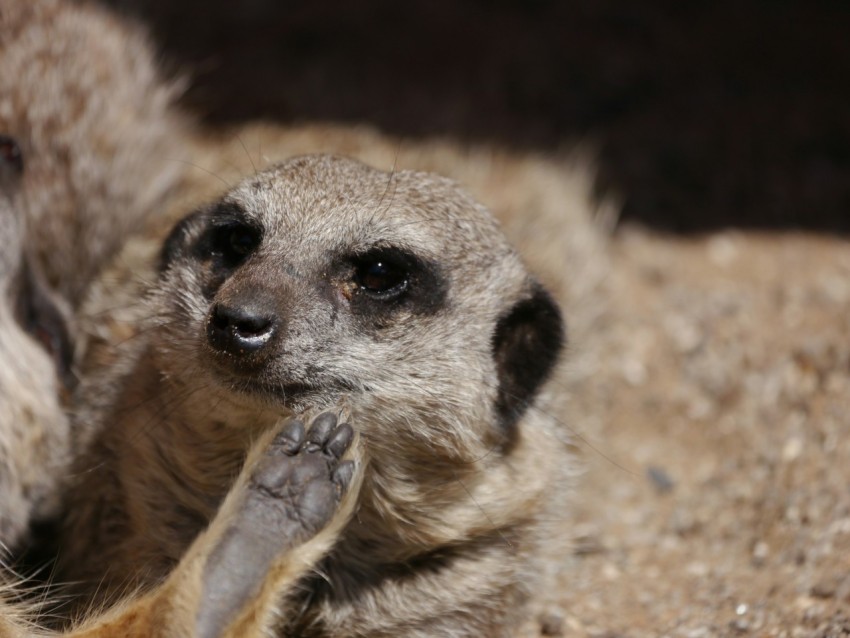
[[88, 144]]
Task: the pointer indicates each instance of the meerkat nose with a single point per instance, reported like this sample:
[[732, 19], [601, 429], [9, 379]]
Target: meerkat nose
[[240, 331]]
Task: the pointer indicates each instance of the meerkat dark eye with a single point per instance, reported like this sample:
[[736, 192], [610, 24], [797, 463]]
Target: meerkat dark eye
[[386, 280], [242, 240], [381, 278], [235, 241]]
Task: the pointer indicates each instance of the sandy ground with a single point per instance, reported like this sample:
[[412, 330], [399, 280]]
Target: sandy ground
[[716, 500]]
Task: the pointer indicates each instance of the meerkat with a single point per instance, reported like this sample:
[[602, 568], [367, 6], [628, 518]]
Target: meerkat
[[392, 298], [36, 352], [83, 109]]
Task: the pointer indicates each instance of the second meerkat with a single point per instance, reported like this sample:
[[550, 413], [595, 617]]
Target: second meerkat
[[323, 283]]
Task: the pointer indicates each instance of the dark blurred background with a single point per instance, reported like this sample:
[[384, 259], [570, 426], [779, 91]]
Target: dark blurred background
[[705, 113]]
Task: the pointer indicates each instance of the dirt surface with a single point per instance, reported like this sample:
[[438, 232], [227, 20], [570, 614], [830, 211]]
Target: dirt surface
[[716, 428]]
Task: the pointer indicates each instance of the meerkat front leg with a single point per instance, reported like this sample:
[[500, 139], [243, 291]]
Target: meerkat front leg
[[273, 538], [282, 516]]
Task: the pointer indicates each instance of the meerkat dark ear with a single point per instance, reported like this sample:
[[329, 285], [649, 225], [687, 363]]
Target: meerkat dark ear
[[526, 346]]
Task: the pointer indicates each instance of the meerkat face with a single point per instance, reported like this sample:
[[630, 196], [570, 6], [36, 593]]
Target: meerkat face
[[36, 353], [324, 277]]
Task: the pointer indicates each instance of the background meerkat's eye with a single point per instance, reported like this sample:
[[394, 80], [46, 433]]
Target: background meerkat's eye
[[10, 154], [381, 277], [38, 314], [11, 165]]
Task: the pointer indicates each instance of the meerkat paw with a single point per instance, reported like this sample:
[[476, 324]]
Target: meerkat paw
[[298, 483], [292, 492]]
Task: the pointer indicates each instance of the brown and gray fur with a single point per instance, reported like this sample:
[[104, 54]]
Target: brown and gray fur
[[444, 382], [34, 351], [89, 120]]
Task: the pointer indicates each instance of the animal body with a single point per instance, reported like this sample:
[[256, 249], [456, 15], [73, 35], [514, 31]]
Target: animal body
[[55, 194], [35, 351], [392, 298], [85, 120]]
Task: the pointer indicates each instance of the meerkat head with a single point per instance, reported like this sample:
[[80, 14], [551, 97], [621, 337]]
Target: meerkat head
[[36, 356], [323, 279]]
